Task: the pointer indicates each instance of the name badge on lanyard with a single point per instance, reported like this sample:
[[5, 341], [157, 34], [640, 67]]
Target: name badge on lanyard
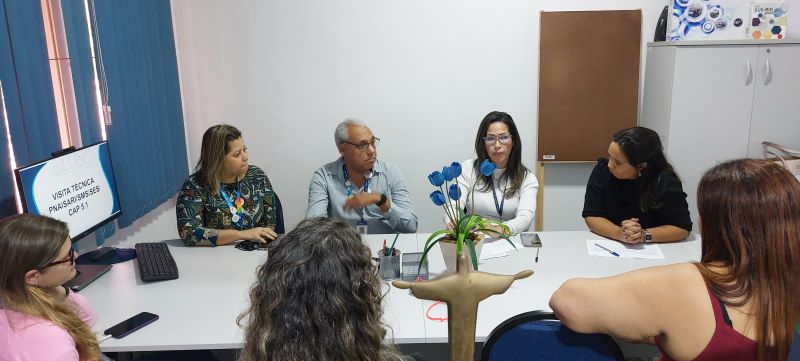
[[362, 227], [235, 203]]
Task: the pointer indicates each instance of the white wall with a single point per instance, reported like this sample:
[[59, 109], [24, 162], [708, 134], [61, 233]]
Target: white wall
[[421, 73]]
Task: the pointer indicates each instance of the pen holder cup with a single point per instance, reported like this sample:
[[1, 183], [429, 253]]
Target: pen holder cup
[[389, 266]]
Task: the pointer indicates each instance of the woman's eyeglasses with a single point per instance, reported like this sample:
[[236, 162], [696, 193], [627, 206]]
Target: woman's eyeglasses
[[69, 258], [491, 139]]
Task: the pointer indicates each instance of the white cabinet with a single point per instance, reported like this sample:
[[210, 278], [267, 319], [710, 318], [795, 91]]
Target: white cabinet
[[776, 102], [712, 102]]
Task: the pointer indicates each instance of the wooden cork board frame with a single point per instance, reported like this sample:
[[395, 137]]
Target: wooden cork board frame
[[588, 81], [588, 86]]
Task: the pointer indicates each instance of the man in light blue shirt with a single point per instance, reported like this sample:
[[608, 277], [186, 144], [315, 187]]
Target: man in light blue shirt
[[360, 189]]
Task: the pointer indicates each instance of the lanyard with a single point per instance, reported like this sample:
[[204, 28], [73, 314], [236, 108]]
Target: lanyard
[[365, 188], [235, 207], [499, 206]]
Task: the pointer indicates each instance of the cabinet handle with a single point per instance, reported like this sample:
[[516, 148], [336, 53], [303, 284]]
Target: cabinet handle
[[767, 72], [748, 73]]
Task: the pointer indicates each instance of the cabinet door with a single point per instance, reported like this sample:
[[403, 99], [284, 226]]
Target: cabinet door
[[776, 102], [712, 94]]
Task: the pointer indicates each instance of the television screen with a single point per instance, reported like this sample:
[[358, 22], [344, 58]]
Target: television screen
[[77, 187]]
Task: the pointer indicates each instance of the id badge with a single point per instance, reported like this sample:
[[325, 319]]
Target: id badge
[[362, 227]]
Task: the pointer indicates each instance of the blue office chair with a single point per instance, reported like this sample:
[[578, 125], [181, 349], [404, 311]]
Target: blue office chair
[[794, 352], [539, 335], [279, 227]]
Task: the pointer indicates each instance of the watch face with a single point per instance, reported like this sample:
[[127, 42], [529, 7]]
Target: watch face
[[648, 237]]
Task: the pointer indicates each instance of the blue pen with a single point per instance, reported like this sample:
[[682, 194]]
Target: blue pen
[[609, 251]]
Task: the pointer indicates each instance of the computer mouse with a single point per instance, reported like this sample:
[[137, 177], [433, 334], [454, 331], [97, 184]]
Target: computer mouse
[[101, 253]]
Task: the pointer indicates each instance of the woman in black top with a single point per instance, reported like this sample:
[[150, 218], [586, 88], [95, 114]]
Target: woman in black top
[[635, 196]]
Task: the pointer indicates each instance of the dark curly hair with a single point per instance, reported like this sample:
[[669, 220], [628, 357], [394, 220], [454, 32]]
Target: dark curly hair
[[318, 297]]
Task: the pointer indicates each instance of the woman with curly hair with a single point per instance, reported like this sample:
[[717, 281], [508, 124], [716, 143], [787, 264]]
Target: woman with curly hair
[[39, 318], [318, 297]]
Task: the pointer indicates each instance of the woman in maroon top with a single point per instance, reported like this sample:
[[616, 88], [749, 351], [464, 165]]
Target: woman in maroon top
[[740, 302]]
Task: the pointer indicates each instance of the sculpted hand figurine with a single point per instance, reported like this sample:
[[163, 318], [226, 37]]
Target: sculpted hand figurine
[[462, 291]]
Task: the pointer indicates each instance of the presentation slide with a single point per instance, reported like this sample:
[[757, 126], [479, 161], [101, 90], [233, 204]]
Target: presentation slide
[[77, 188]]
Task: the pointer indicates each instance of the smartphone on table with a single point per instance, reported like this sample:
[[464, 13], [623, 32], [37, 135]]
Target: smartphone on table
[[530, 239], [130, 325], [411, 268]]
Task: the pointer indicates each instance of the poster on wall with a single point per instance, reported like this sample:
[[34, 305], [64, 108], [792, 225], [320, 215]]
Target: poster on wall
[[708, 19], [768, 20]]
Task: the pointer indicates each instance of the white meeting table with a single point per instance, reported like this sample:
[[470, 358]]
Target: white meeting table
[[563, 256], [199, 309]]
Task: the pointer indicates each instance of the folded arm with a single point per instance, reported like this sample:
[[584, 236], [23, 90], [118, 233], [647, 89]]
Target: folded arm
[[400, 214]]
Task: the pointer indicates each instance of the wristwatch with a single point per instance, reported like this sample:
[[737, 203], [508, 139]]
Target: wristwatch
[[382, 201], [648, 237]]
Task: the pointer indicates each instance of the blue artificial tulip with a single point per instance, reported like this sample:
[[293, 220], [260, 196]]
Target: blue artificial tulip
[[438, 198], [436, 178], [456, 168], [454, 192], [487, 167], [447, 172]]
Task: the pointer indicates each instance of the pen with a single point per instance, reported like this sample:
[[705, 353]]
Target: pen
[[609, 251], [384, 247], [537, 255], [391, 249]]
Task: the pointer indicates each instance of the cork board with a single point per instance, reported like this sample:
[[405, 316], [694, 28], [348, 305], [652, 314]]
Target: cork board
[[588, 81]]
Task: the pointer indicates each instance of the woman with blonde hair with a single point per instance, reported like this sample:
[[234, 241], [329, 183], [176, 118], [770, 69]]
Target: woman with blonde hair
[[740, 302], [318, 297], [226, 199], [39, 318]]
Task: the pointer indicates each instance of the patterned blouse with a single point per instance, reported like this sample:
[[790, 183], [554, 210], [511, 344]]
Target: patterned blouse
[[201, 214]]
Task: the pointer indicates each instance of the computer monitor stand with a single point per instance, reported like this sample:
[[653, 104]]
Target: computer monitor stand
[[86, 274]]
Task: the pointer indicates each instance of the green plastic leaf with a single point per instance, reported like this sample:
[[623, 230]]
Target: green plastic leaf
[[474, 257], [425, 252], [440, 234]]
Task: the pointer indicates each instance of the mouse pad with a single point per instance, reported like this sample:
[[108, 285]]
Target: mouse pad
[[121, 255]]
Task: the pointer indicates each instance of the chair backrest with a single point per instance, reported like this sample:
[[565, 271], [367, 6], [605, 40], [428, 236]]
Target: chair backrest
[[794, 352], [279, 227], [539, 335]]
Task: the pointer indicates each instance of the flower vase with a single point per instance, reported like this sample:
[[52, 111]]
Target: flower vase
[[448, 248]]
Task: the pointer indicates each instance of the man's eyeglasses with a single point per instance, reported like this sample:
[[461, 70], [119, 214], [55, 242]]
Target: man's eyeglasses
[[491, 139], [363, 146], [69, 258]]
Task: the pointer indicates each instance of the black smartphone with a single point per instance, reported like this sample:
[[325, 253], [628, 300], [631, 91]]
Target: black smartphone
[[134, 323], [411, 265], [530, 239]]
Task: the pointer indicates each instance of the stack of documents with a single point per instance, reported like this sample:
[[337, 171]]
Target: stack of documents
[[639, 250], [494, 248]]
